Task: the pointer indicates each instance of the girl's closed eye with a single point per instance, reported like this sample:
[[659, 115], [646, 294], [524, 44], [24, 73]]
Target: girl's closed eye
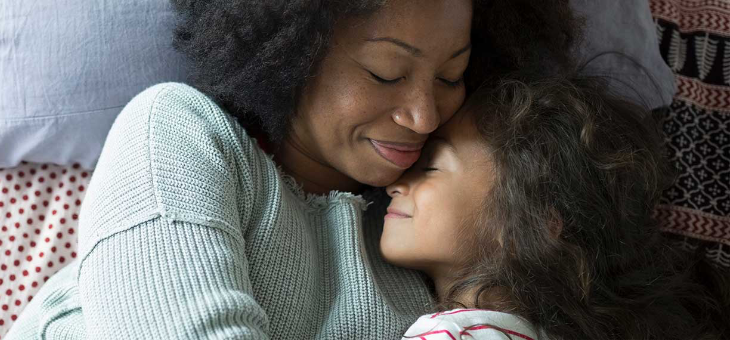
[[439, 155], [427, 160]]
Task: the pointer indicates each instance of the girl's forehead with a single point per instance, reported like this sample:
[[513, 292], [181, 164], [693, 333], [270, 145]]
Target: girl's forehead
[[462, 134], [461, 127]]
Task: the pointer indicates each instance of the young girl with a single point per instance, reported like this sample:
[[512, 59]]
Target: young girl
[[531, 212]]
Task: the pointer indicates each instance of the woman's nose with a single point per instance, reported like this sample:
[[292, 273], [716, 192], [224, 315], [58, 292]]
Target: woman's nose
[[419, 112]]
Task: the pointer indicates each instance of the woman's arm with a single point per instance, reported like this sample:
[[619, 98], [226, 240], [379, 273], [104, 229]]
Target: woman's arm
[[161, 230], [169, 280]]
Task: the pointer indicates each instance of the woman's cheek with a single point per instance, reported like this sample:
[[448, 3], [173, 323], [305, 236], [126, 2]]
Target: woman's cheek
[[453, 99]]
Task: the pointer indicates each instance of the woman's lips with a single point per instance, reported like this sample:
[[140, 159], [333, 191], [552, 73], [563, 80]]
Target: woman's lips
[[401, 154], [394, 213]]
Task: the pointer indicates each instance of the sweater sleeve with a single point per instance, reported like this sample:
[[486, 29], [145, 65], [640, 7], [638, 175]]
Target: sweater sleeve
[[161, 228]]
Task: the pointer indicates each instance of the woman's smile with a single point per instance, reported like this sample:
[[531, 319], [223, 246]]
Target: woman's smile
[[404, 155]]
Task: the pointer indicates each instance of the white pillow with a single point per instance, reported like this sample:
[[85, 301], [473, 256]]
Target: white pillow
[[67, 67]]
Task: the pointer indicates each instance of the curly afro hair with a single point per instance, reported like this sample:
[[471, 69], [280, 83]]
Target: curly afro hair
[[254, 57]]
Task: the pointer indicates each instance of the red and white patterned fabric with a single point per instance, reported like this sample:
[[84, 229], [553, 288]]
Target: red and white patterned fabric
[[39, 207], [471, 324], [694, 40]]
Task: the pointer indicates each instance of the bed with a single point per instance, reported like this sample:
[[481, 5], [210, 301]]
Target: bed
[[53, 123], [67, 68]]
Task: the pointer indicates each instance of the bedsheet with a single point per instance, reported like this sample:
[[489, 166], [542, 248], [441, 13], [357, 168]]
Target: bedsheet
[[39, 207]]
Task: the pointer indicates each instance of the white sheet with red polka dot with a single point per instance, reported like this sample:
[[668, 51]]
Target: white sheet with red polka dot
[[39, 207]]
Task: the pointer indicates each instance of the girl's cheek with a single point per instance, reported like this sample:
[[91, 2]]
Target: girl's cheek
[[426, 194], [432, 200]]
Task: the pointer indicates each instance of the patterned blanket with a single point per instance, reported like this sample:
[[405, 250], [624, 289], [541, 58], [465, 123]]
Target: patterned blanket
[[694, 39]]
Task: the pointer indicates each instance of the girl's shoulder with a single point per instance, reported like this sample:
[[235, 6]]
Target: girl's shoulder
[[471, 324]]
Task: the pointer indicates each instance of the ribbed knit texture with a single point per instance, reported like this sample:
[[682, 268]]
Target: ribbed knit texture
[[189, 231]]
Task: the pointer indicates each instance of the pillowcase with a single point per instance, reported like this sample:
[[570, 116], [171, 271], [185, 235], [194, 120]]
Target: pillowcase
[[68, 67], [620, 44]]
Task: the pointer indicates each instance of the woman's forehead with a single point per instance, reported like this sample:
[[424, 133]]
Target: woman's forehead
[[424, 26]]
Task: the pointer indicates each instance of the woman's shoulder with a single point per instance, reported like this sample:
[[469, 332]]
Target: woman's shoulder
[[471, 324], [176, 104], [177, 116], [184, 129], [173, 152]]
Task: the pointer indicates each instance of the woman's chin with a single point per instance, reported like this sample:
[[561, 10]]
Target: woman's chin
[[380, 176]]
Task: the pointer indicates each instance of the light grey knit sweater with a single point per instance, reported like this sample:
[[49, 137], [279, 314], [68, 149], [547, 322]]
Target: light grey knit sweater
[[189, 231]]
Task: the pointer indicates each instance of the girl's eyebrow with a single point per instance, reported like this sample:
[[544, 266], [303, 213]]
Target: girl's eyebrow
[[445, 142]]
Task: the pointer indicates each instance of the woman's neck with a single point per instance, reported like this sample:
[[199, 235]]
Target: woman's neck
[[315, 176]]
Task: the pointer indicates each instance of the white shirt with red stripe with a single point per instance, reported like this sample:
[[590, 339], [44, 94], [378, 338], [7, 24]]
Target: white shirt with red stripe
[[471, 324]]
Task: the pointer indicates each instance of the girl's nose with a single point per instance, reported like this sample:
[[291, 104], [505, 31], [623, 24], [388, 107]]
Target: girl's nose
[[400, 187]]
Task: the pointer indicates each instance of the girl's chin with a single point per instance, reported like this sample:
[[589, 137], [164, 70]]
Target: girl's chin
[[395, 253]]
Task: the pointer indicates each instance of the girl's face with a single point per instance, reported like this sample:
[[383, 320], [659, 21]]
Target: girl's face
[[386, 83], [435, 203]]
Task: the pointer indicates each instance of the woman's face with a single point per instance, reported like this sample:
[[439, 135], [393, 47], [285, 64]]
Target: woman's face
[[387, 81], [436, 203]]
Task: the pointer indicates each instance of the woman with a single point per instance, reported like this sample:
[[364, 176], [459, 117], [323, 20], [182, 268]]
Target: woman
[[189, 230]]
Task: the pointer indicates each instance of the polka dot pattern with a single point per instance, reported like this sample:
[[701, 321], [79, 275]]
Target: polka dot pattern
[[39, 207]]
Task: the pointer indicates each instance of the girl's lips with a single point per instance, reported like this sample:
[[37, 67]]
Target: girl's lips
[[394, 213], [402, 155]]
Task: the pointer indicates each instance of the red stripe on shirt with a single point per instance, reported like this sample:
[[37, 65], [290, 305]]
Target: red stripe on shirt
[[423, 336], [459, 311], [508, 331]]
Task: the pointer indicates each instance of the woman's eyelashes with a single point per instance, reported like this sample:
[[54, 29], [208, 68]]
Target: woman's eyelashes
[[383, 80], [450, 83], [455, 83]]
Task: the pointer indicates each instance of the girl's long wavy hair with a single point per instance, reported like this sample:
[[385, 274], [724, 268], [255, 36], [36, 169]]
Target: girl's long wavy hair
[[577, 173]]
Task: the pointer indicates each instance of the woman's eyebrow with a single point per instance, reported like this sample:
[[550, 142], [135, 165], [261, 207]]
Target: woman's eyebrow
[[415, 51], [461, 51]]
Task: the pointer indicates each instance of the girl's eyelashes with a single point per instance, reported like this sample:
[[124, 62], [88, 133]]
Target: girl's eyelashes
[[383, 80], [429, 169]]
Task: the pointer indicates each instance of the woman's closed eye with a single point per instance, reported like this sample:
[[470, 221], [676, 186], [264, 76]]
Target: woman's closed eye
[[447, 82], [384, 80], [455, 83]]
